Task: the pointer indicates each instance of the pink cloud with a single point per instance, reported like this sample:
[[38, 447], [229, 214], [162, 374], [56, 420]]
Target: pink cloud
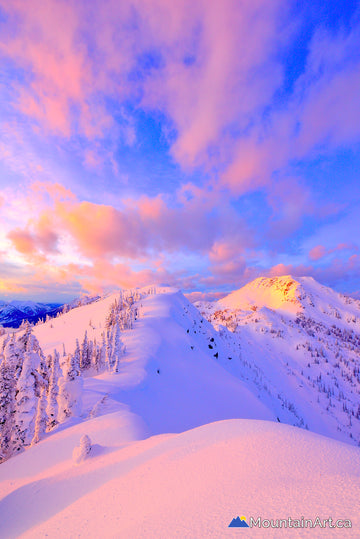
[[8, 286], [332, 82], [41, 239], [22, 241], [324, 111], [47, 43], [55, 191], [143, 227], [232, 73], [317, 252], [226, 80]]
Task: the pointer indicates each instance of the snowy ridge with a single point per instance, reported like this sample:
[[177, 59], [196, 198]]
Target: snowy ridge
[[170, 336], [107, 385]]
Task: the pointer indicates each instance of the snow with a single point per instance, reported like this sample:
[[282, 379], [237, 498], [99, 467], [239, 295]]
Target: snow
[[277, 293], [303, 357], [188, 378], [81, 452], [186, 436], [188, 485]]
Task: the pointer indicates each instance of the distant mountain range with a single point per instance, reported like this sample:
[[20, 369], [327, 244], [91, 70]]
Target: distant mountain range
[[14, 312]]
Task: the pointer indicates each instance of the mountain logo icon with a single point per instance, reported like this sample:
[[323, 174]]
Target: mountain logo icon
[[239, 523]]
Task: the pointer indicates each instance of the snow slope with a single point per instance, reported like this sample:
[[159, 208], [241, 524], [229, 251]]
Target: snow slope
[[186, 485], [298, 342], [185, 437], [190, 389]]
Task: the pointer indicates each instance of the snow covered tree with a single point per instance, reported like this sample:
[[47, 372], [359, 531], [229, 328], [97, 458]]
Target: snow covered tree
[[53, 392], [91, 352], [99, 356], [80, 453], [70, 390], [85, 357], [14, 355], [26, 398], [27, 327], [77, 354], [41, 417], [109, 349], [7, 409], [118, 348], [39, 361]]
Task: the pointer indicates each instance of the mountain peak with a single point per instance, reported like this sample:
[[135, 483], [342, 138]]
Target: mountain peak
[[278, 293]]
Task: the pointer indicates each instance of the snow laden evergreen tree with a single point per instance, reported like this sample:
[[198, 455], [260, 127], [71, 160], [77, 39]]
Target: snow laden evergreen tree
[[91, 346], [23, 339], [53, 392], [70, 389], [102, 356], [77, 354], [99, 355], [7, 409], [85, 354], [118, 348], [13, 353], [42, 374], [98, 358], [109, 348], [41, 416], [81, 452], [26, 398], [32, 379]]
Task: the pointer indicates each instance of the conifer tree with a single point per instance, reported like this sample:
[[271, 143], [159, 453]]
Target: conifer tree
[[117, 348], [109, 349], [26, 399], [7, 409], [41, 417], [53, 392], [85, 358], [70, 390]]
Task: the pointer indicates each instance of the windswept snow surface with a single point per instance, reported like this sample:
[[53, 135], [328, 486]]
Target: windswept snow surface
[[184, 485], [185, 437]]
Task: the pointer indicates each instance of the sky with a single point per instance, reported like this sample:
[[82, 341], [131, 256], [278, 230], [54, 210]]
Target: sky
[[193, 143]]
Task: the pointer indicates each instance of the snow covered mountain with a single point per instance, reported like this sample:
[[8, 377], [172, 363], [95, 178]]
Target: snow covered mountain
[[185, 414], [13, 313], [298, 342]]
